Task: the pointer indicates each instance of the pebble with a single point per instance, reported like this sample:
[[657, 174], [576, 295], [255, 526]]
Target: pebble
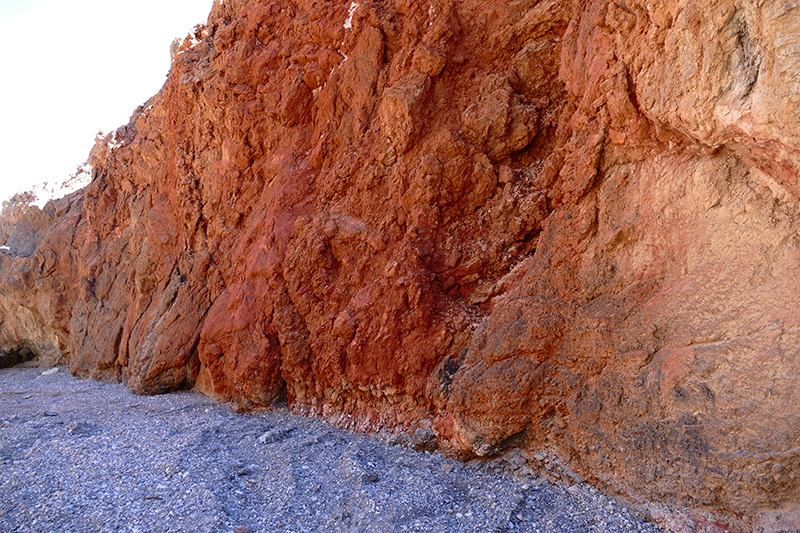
[[104, 459]]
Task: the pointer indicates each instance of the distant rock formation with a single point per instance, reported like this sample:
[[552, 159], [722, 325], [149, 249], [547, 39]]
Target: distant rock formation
[[174, 47], [13, 211], [553, 225]]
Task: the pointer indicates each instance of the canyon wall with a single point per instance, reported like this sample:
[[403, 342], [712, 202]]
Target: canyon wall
[[552, 225]]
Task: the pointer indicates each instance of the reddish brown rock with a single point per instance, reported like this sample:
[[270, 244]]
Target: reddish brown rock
[[569, 227]]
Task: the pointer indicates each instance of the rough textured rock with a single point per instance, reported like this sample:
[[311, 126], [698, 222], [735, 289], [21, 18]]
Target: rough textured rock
[[562, 226]]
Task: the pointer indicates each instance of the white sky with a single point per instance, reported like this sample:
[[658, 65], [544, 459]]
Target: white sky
[[72, 68]]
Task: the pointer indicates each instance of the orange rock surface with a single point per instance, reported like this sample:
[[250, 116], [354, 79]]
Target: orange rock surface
[[553, 225]]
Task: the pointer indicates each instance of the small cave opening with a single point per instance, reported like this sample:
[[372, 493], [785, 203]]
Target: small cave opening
[[16, 356]]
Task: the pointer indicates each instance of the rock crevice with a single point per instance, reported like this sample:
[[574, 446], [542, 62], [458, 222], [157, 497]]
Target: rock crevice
[[554, 225]]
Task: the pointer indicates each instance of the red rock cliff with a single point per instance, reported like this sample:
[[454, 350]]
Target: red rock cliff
[[564, 226]]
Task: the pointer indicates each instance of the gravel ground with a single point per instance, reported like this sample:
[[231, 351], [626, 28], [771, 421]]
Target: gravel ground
[[82, 456]]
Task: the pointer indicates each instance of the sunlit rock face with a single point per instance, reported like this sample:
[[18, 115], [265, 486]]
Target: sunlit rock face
[[550, 225], [723, 73]]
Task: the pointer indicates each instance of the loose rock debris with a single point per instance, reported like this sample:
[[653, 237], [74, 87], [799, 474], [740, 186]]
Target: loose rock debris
[[82, 456]]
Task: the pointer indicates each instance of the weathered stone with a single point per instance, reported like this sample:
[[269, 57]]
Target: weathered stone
[[401, 109], [553, 225]]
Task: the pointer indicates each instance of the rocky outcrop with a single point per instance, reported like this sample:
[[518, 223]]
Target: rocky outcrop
[[553, 225]]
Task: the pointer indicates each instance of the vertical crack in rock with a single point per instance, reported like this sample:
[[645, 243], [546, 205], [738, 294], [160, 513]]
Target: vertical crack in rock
[[568, 227]]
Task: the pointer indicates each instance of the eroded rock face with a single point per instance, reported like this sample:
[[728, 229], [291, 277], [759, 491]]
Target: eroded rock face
[[569, 226]]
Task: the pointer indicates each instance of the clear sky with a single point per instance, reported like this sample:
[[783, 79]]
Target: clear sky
[[72, 68]]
